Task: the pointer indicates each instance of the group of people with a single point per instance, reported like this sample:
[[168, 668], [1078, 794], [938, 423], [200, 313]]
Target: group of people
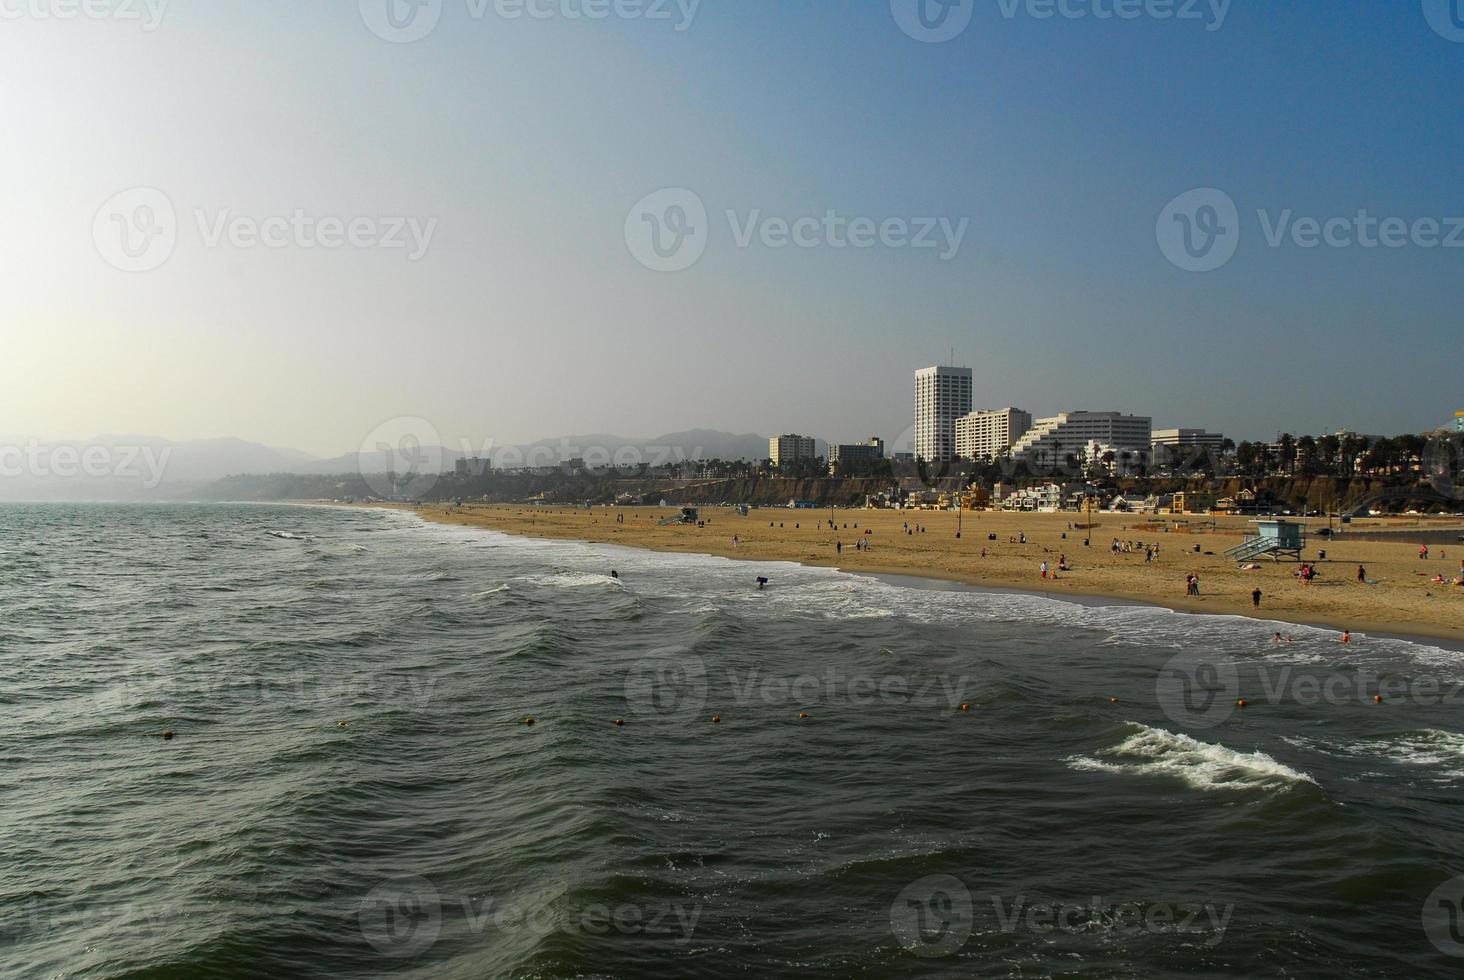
[[1046, 569], [1307, 572], [1118, 547], [1279, 640], [1192, 584]]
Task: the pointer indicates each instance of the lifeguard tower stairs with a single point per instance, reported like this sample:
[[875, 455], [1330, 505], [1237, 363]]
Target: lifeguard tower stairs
[[688, 515], [1275, 539]]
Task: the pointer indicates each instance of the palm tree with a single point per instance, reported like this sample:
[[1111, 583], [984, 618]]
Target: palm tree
[[1306, 455], [1287, 456], [1329, 448]]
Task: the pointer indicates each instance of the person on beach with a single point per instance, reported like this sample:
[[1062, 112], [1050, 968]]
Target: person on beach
[[1423, 553], [1361, 574], [1346, 637], [839, 547], [1044, 569]]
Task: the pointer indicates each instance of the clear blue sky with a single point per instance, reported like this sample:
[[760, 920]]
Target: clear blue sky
[[529, 141]]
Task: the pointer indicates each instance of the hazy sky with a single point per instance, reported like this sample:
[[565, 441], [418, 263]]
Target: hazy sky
[[530, 310]]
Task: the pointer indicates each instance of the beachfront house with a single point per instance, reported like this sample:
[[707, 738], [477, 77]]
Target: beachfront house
[[1188, 502]]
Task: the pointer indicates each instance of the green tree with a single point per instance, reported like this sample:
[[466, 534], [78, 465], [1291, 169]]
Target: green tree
[[1287, 454]]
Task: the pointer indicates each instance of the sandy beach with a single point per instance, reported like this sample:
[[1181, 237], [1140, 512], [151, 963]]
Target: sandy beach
[[1403, 599]]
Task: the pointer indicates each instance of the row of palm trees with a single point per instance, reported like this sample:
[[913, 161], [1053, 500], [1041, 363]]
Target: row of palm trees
[[1346, 456]]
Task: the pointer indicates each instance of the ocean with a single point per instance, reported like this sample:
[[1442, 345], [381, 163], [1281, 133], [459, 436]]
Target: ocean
[[901, 782]]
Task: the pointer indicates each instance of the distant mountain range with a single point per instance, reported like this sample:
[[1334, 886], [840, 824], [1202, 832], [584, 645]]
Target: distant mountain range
[[674, 447], [121, 467]]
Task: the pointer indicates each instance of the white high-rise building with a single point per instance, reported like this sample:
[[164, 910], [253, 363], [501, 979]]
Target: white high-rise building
[[942, 395], [988, 434], [1050, 441], [783, 450]]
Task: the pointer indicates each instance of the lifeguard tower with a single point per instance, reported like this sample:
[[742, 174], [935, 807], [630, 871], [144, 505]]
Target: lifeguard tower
[[688, 515], [1275, 537]]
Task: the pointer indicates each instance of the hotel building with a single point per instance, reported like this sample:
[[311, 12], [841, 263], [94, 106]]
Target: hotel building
[[1049, 441], [783, 450], [942, 395], [859, 453], [988, 435]]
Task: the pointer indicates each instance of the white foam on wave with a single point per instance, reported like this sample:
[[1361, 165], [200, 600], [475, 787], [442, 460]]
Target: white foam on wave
[[707, 582], [1427, 748], [488, 592], [1200, 765], [570, 580]]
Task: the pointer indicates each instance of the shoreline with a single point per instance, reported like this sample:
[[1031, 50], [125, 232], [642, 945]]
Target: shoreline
[[570, 525], [1452, 644]]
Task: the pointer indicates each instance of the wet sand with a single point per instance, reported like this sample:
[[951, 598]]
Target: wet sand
[[1403, 601]]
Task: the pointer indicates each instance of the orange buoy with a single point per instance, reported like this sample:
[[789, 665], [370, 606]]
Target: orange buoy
[[803, 714], [1240, 703], [965, 707], [529, 720], [168, 735], [1377, 699], [619, 722], [716, 719], [1113, 700], [343, 724]]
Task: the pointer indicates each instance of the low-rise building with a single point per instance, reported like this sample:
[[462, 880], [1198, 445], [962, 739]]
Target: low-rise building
[[858, 455], [1181, 446], [1188, 502], [467, 467]]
